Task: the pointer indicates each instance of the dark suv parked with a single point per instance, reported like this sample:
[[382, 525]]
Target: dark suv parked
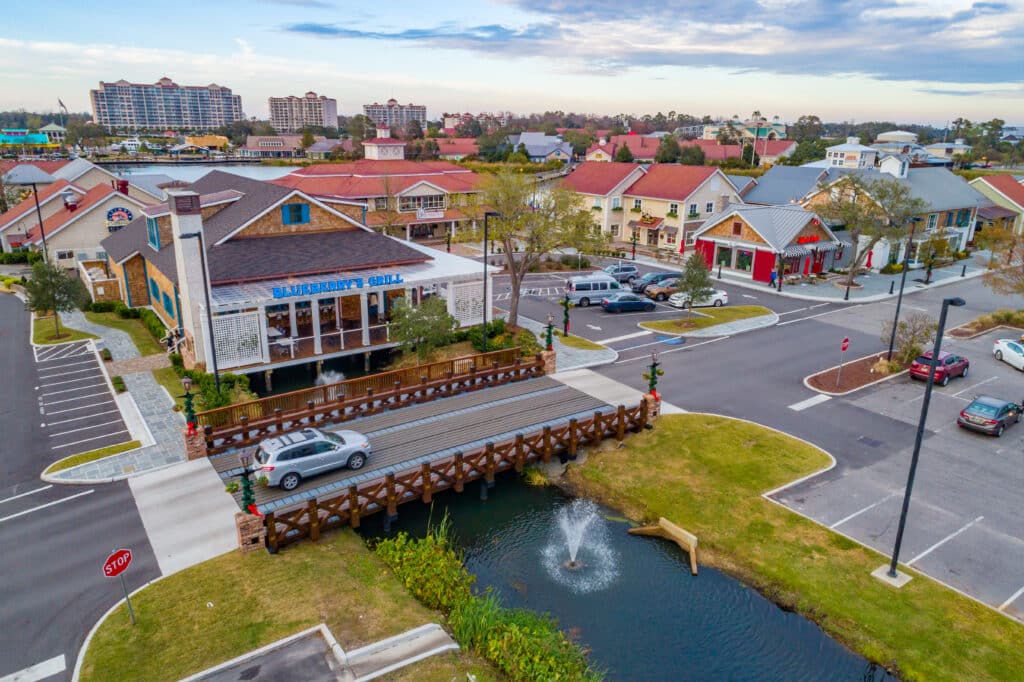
[[640, 285]]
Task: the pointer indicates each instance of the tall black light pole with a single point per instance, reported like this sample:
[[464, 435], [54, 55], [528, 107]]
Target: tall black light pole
[[903, 280], [209, 310], [920, 429], [487, 214]]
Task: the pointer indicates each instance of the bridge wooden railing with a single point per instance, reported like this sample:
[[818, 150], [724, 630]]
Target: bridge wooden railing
[[298, 400], [347, 406], [347, 507]]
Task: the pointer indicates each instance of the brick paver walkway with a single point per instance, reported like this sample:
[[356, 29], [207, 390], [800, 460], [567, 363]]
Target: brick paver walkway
[[146, 363]]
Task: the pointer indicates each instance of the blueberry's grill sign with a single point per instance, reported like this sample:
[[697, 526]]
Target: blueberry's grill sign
[[335, 285], [119, 214]]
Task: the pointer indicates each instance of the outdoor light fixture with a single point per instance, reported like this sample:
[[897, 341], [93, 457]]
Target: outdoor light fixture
[[550, 329], [903, 279], [187, 383], [956, 302]]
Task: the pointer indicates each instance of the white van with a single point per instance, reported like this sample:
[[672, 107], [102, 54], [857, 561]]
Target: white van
[[586, 289]]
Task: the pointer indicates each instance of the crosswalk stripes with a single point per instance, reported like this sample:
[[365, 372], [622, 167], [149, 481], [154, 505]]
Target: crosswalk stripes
[[533, 291], [61, 351]]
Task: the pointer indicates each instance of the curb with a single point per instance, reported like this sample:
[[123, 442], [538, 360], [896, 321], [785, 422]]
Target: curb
[[772, 319], [852, 390], [982, 332], [96, 626], [50, 478]]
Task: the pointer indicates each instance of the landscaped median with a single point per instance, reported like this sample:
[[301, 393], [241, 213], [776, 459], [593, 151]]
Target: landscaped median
[[91, 456], [577, 342], [227, 606], [43, 332], [705, 318], [708, 474]]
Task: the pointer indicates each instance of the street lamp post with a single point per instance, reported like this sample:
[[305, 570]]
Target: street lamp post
[[190, 409], [487, 214], [39, 217], [653, 372], [920, 429], [903, 279], [566, 304], [209, 309], [635, 238], [248, 498], [550, 329]]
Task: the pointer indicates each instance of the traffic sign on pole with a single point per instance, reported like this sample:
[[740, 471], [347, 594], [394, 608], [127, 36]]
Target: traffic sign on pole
[[846, 343], [114, 567], [842, 358]]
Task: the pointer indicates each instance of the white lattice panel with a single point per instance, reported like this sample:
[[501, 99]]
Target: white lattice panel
[[466, 302], [238, 339]]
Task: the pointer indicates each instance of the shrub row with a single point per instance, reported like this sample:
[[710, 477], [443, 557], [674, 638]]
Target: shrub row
[[118, 383], [233, 387], [520, 643], [499, 337]]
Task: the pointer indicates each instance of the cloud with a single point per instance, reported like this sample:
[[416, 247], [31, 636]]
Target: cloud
[[315, 4], [946, 41]]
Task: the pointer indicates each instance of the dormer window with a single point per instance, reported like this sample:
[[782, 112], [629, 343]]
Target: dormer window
[[153, 232], [295, 214]]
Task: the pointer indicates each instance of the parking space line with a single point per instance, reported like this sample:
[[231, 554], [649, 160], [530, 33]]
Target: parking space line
[[44, 506], [30, 492], [957, 394], [70, 381], [827, 312], [861, 511], [44, 403], [76, 419], [810, 402], [86, 440], [71, 390], [624, 338], [74, 371], [790, 312], [85, 428], [83, 407], [1013, 598], [942, 542], [66, 364]]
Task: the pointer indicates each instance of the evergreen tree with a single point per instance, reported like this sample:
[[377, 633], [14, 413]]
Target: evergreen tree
[[695, 280], [624, 154], [668, 150], [51, 290]]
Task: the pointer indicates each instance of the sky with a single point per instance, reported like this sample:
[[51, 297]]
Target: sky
[[923, 61]]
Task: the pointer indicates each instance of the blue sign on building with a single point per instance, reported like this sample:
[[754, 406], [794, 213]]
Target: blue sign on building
[[335, 285]]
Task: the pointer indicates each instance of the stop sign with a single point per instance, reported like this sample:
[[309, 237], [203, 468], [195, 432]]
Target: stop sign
[[846, 343], [117, 562]]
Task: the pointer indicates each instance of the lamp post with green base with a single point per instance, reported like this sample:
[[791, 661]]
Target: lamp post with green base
[[635, 238], [248, 498], [549, 341], [566, 304], [654, 371], [190, 406]]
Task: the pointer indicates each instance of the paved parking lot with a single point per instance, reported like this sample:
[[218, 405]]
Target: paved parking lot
[[77, 409], [964, 524]]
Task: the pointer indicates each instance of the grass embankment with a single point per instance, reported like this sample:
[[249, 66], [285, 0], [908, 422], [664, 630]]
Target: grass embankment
[[235, 603], [574, 341], [1004, 317], [42, 332], [708, 473], [91, 456], [140, 335], [706, 317], [169, 379]]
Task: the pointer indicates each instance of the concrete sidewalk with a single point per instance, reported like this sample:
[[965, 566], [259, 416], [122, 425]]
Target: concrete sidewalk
[[608, 390], [186, 513], [567, 357]]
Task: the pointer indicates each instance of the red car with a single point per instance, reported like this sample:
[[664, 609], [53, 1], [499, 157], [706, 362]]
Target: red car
[[949, 366]]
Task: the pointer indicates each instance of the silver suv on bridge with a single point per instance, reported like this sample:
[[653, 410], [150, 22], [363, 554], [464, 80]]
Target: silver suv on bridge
[[287, 459]]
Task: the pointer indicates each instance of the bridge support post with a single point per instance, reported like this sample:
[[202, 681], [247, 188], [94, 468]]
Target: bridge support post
[[428, 483], [272, 542], [459, 472], [353, 506], [620, 425], [483, 491], [392, 498], [489, 466], [520, 453], [268, 381], [574, 438], [545, 454], [314, 520]]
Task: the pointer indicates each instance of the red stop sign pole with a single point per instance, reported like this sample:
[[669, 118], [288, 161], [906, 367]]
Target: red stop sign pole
[[842, 358], [114, 567]]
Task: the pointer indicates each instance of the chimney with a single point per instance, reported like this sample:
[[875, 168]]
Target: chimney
[[853, 140], [70, 200], [193, 278], [602, 140], [122, 186]]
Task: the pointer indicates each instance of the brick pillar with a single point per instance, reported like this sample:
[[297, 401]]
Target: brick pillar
[[653, 407], [251, 532], [548, 358], [195, 446]]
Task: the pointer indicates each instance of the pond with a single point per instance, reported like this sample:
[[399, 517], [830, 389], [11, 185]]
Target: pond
[[632, 600]]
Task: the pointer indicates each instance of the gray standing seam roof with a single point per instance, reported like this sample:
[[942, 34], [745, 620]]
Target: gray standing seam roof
[[783, 185], [779, 225]]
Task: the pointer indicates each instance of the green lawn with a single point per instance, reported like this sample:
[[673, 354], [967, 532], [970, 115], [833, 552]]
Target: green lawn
[[91, 456], [143, 340], [574, 341], [707, 317], [236, 602], [707, 475], [42, 332], [169, 379]]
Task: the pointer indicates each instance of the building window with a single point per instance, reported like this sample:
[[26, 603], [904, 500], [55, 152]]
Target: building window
[[933, 220], [380, 204], [168, 304], [616, 202], [949, 218], [670, 237], [65, 255], [432, 201], [673, 208], [597, 202], [615, 230], [709, 207], [154, 289], [637, 204], [737, 229], [295, 214], [962, 217], [693, 209], [153, 230]]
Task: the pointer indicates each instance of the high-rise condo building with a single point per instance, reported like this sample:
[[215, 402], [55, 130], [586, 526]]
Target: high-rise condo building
[[291, 114], [395, 115], [164, 104]]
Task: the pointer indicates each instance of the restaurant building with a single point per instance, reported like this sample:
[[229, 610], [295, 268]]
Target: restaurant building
[[254, 276]]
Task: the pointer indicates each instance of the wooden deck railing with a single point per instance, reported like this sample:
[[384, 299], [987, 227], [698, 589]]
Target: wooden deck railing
[[336, 407], [295, 400], [347, 507]]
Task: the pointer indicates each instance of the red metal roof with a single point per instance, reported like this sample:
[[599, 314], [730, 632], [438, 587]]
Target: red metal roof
[[598, 177], [85, 202], [50, 167], [370, 178], [26, 205], [383, 140], [670, 181], [457, 145], [1008, 186]]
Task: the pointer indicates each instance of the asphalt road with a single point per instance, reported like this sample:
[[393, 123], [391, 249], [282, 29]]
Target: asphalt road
[[54, 538], [758, 376]]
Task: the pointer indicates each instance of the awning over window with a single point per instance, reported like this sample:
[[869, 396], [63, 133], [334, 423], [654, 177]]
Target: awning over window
[[796, 251], [827, 247], [640, 225]]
